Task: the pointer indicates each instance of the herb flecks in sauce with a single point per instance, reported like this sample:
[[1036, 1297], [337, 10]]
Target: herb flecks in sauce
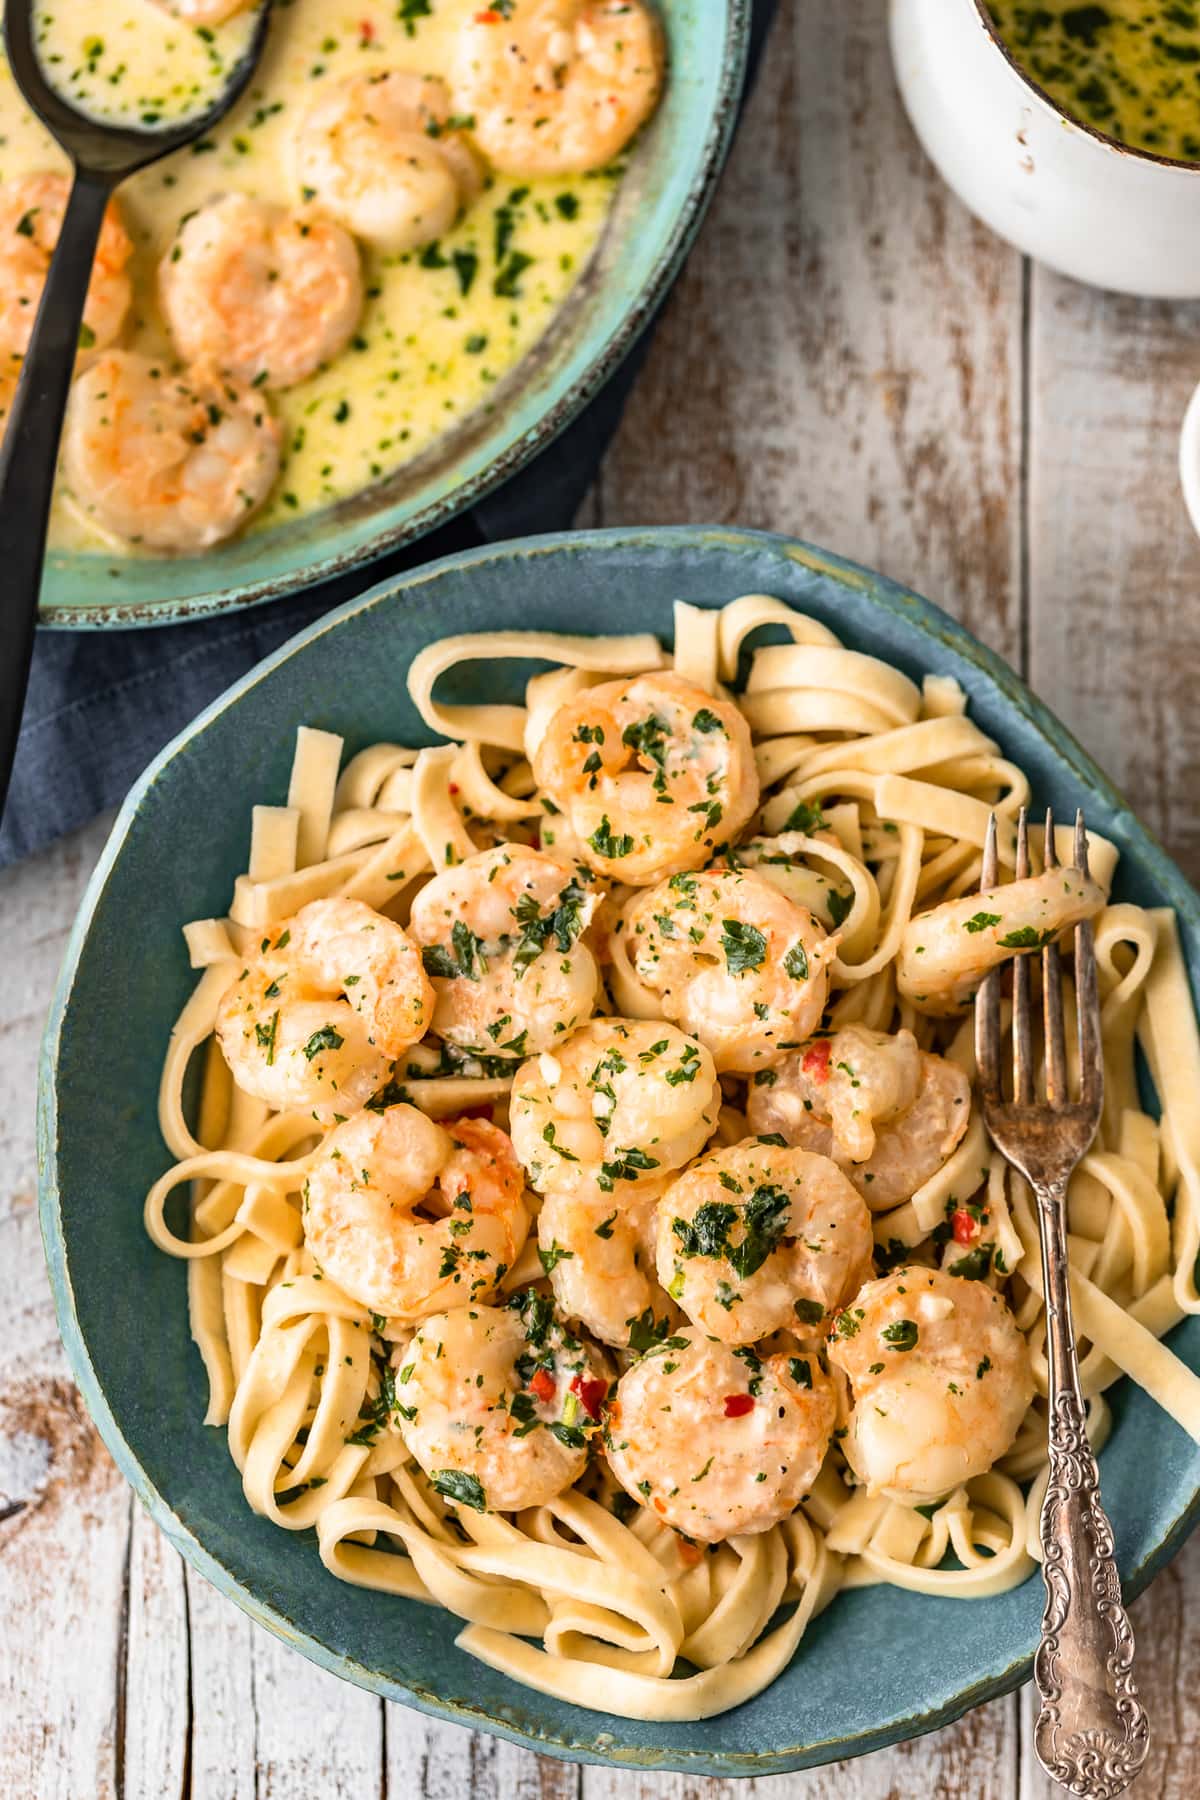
[[1130, 68]]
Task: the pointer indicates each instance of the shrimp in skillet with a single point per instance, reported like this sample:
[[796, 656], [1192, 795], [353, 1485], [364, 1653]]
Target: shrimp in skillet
[[887, 1112], [614, 1107], [498, 1404], [652, 773], [558, 87], [946, 952], [940, 1377], [409, 1217], [717, 1441], [175, 462], [263, 294], [501, 937], [755, 1238], [376, 152], [32, 208], [732, 960], [315, 1020]]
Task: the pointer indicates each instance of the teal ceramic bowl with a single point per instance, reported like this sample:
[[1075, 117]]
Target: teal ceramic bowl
[[658, 207], [880, 1664]]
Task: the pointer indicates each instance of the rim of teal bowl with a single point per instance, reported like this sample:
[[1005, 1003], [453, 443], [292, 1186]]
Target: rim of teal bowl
[[615, 345], [889, 596]]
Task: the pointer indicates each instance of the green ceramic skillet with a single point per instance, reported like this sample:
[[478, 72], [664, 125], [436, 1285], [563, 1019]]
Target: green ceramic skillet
[[879, 1664], [658, 207]]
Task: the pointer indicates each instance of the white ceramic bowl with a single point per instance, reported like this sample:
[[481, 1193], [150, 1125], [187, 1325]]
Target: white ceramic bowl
[[1057, 189]]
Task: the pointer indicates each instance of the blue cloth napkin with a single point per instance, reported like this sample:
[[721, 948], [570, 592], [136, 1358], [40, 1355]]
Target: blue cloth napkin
[[101, 705]]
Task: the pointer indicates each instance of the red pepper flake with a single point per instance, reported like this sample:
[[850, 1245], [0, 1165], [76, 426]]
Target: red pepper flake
[[689, 1553], [816, 1059], [738, 1405], [963, 1225], [541, 1383], [488, 17], [454, 787], [366, 31], [591, 1395]]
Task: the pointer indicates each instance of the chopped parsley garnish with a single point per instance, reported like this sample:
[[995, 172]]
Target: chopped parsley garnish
[[981, 922], [625, 1165], [605, 844], [328, 1038], [745, 946], [763, 1218], [706, 720], [901, 1334], [800, 1371], [795, 963], [551, 1258], [463, 1489], [976, 1264], [1028, 937], [806, 817]]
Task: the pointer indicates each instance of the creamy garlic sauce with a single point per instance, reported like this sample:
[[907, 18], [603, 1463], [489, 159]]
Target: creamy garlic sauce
[[440, 326], [137, 64]]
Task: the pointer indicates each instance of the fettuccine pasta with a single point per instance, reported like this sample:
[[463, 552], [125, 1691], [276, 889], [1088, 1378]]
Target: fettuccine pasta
[[589, 1222]]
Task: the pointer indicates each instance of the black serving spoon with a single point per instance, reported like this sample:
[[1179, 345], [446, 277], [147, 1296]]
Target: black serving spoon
[[101, 156]]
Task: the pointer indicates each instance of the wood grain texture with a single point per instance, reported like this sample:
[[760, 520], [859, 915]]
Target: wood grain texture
[[1114, 566], [64, 1511], [842, 358]]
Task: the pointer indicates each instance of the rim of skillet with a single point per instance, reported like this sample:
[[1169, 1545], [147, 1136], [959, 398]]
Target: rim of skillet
[[615, 344], [930, 621]]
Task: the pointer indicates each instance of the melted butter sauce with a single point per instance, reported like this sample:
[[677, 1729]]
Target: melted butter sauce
[[137, 65], [1131, 68], [440, 326]]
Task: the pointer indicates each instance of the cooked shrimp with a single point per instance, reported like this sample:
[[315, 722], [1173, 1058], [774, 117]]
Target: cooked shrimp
[[754, 1238], [940, 1377], [377, 153], [261, 293], [600, 1260], [617, 1106], [733, 961], [501, 936], [203, 12], [174, 462], [409, 1217], [888, 1113], [945, 953], [719, 1441], [32, 208], [317, 1017], [558, 87], [498, 1405], [652, 774]]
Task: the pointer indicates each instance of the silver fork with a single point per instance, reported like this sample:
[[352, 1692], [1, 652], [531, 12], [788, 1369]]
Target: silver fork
[[1092, 1734]]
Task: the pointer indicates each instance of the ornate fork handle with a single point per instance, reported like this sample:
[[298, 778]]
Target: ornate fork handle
[[1091, 1734]]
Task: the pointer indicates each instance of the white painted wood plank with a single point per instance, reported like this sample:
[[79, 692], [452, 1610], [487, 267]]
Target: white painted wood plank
[[428, 1760], [842, 357], [64, 1540], [973, 1760], [314, 1735], [156, 1700], [1114, 565], [224, 1721]]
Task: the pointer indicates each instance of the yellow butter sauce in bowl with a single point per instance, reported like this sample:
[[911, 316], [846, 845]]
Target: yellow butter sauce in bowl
[[1128, 68]]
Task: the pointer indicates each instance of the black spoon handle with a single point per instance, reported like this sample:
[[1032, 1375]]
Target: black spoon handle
[[29, 455]]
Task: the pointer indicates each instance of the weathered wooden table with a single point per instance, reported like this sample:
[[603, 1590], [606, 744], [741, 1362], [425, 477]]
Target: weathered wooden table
[[851, 358]]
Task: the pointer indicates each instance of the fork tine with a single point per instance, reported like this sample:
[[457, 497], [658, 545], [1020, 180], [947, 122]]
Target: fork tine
[[1023, 1075], [987, 1001], [1087, 995], [1052, 1000]]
